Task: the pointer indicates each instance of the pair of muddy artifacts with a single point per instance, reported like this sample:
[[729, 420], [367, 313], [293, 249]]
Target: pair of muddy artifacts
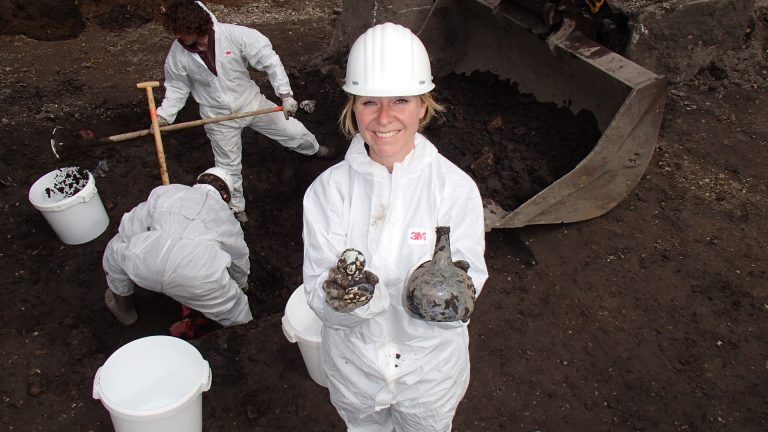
[[439, 290]]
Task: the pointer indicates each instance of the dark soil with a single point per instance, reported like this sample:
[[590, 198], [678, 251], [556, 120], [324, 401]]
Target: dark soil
[[68, 182], [649, 318], [512, 145]]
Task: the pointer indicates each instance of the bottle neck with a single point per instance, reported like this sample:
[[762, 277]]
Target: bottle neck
[[442, 253]]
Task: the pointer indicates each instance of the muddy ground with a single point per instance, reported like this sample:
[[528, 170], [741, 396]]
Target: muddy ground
[[649, 318]]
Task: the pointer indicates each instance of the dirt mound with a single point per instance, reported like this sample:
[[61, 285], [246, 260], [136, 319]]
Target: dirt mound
[[123, 16], [42, 20], [512, 145]]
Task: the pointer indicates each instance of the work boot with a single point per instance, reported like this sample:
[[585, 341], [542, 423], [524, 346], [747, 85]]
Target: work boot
[[324, 152], [241, 216], [121, 307]]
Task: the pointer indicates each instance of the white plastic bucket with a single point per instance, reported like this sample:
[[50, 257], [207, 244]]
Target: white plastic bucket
[[301, 325], [76, 218], [154, 384]]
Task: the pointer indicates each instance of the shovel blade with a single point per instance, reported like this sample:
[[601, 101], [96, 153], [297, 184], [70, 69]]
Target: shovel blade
[[65, 140]]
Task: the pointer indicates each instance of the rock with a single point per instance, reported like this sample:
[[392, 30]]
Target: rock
[[496, 123], [485, 165], [35, 386]]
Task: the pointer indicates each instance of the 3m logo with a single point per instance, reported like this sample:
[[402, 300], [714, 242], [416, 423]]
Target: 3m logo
[[417, 236], [228, 52]]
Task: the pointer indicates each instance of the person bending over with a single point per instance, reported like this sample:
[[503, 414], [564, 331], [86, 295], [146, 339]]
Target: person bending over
[[183, 242]]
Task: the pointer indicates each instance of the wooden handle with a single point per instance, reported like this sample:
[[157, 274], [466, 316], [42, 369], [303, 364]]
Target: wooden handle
[[141, 133], [148, 84], [156, 129]]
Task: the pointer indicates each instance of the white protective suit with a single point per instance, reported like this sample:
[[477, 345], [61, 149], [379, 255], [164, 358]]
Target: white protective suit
[[230, 91], [183, 242], [383, 365]]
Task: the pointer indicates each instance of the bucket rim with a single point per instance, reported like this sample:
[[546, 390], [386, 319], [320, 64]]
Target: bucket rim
[[290, 326], [167, 410], [294, 335], [84, 195]]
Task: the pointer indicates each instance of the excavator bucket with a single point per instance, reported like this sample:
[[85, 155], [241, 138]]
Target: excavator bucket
[[550, 50], [569, 68]]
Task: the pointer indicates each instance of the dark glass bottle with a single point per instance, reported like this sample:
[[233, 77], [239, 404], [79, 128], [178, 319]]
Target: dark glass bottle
[[441, 290]]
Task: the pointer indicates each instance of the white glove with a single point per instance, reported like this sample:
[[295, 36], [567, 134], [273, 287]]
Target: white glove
[[160, 122], [290, 106]]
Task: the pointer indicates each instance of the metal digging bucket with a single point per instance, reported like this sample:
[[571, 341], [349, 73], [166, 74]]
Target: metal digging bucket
[[555, 63], [627, 100]]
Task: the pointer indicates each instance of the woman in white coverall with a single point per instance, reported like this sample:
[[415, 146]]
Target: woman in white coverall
[[185, 243], [387, 370], [210, 60]]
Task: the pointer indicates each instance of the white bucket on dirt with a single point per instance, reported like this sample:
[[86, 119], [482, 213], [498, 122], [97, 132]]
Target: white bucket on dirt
[[154, 384], [301, 325], [73, 210]]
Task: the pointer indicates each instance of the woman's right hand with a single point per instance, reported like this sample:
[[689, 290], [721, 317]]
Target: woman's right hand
[[344, 295]]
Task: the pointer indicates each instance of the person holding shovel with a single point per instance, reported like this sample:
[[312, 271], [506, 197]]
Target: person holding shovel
[[183, 242], [388, 370], [210, 60]]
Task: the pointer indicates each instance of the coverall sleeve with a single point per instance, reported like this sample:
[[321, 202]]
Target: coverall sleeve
[[324, 240], [177, 87], [134, 222], [260, 55], [233, 243]]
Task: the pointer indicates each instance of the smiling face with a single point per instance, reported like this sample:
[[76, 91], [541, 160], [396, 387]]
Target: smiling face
[[389, 125]]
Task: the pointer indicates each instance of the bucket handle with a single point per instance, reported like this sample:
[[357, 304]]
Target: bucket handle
[[97, 384], [207, 379], [87, 196]]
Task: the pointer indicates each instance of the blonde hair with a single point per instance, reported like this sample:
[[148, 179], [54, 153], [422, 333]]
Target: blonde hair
[[347, 122]]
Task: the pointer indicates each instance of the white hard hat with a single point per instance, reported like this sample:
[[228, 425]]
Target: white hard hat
[[220, 173], [388, 60]]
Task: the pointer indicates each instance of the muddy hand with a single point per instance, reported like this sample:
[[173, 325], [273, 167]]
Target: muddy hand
[[461, 264], [464, 265], [344, 296], [371, 277]]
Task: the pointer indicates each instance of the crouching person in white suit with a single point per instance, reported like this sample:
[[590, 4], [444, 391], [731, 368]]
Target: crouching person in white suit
[[183, 242]]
